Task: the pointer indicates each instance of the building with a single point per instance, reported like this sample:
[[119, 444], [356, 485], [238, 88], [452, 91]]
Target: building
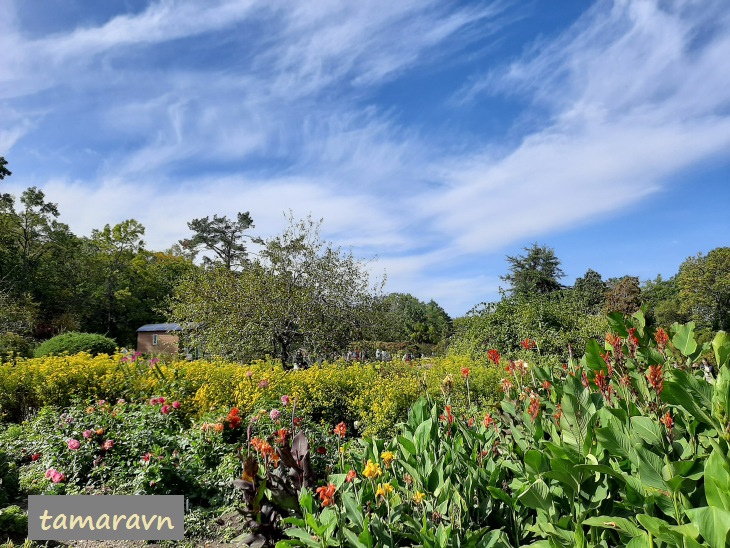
[[159, 338]]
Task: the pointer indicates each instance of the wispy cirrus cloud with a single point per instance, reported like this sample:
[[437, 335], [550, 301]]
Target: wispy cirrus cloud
[[182, 110]]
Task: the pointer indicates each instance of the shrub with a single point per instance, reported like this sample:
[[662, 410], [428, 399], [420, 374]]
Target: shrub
[[13, 346], [73, 343], [9, 483]]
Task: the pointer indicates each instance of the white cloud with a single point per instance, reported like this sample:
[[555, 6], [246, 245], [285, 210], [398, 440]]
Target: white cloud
[[632, 94]]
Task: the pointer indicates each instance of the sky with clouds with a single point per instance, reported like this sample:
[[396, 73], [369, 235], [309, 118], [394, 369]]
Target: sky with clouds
[[437, 136]]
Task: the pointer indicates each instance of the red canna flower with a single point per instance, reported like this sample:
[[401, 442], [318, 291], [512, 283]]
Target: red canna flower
[[534, 409], [584, 379], [655, 376], [327, 494], [488, 420], [661, 338], [633, 341], [448, 417], [546, 385], [667, 421], [282, 435], [470, 423], [558, 412], [494, 356], [527, 344], [341, 429], [351, 475], [465, 372]]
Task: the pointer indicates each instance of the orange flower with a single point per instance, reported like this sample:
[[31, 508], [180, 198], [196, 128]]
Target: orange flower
[[661, 338], [351, 475], [558, 412], [494, 356], [100, 431], [527, 344], [233, 420], [282, 435], [327, 494], [488, 420], [341, 429], [263, 447], [448, 417], [667, 421], [655, 376], [465, 372], [546, 385], [534, 406], [506, 385]]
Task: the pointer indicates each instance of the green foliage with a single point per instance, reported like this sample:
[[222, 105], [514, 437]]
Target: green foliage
[[405, 318], [592, 289], [14, 346], [9, 482], [704, 288], [300, 293], [536, 272], [13, 522], [221, 236], [73, 343], [554, 322], [623, 295]]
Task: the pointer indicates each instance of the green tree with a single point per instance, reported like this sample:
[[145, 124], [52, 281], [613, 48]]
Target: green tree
[[222, 236], [662, 299], [300, 293], [405, 318], [623, 295], [704, 288], [114, 250], [536, 272], [592, 289], [4, 171]]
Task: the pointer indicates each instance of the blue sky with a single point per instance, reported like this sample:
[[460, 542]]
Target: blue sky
[[437, 136]]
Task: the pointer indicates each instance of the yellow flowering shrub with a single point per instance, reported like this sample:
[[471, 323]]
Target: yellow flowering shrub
[[375, 395]]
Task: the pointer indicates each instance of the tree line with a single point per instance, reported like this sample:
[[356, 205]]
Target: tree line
[[537, 310], [295, 292]]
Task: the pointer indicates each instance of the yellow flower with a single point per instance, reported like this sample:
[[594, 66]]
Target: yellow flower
[[342, 450], [388, 457], [372, 470], [383, 490], [418, 497]]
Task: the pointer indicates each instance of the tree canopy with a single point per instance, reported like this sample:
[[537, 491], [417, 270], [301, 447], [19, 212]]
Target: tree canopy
[[300, 293], [223, 237], [536, 272], [704, 288]]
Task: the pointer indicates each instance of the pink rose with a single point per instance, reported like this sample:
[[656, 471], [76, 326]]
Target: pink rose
[[285, 400], [57, 477], [87, 434], [160, 400], [275, 414], [107, 445], [153, 401], [176, 405], [73, 444], [165, 409]]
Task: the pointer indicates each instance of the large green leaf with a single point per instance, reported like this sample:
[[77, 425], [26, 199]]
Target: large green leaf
[[647, 429], [721, 346], [623, 525], [617, 324], [684, 339], [713, 523], [695, 395], [536, 496], [593, 356], [717, 480], [422, 435]]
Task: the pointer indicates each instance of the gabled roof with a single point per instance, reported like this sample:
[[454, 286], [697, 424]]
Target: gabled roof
[[163, 327]]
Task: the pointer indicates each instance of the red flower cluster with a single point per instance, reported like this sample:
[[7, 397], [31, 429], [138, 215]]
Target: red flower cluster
[[667, 421], [633, 341], [655, 376], [527, 344], [661, 338], [263, 447], [494, 356], [327, 494], [448, 417], [558, 412], [465, 372], [233, 420], [614, 340], [282, 435], [546, 385], [534, 409], [341, 429]]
